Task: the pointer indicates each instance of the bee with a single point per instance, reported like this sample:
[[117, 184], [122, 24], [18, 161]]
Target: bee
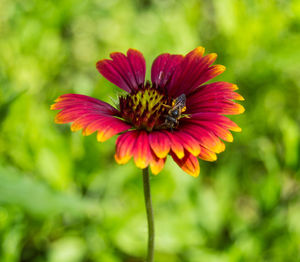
[[178, 107]]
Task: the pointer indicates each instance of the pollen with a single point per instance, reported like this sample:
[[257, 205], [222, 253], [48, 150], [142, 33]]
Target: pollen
[[146, 108]]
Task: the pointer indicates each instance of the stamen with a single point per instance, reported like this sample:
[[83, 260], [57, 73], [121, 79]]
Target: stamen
[[146, 109]]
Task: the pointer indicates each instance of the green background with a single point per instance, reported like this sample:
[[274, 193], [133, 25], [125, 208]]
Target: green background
[[62, 196]]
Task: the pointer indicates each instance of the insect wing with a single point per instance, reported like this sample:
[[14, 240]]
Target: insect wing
[[180, 101]]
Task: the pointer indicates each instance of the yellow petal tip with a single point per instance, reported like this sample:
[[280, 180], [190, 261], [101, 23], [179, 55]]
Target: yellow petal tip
[[242, 109], [122, 160], [200, 50], [234, 87], [140, 163], [193, 174], [220, 68]]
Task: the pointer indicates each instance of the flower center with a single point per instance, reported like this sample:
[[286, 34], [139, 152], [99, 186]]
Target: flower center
[[146, 109]]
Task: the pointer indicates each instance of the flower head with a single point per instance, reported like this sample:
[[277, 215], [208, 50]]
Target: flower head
[[175, 114]]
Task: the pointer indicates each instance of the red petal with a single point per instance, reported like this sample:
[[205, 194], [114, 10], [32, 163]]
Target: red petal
[[82, 102], [188, 164], [217, 92], [215, 118], [204, 137], [163, 68], [134, 143], [142, 152], [124, 146], [156, 164], [127, 72], [188, 142], [193, 71], [207, 155], [138, 65], [160, 143], [210, 73], [176, 145], [224, 108], [111, 128], [218, 86], [98, 123], [217, 129], [89, 114]]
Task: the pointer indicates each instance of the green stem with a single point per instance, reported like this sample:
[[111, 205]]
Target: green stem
[[150, 218]]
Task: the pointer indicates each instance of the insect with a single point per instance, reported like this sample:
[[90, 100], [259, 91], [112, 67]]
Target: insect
[[178, 106]]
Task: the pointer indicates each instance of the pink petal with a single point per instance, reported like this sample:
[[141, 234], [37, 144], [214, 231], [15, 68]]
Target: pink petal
[[159, 143], [89, 114], [77, 101], [141, 151], [193, 71], [216, 129], [163, 68], [110, 128], [188, 163], [124, 146], [204, 137], [215, 118], [207, 155], [188, 142], [156, 164], [217, 97], [176, 144], [220, 107], [127, 72]]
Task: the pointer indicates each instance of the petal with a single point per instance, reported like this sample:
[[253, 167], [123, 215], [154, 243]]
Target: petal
[[207, 155], [124, 146], [160, 143], [223, 107], [210, 73], [203, 96], [163, 68], [218, 92], [188, 164], [141, 151], [113, 127], [156, 164], [127, 72], [193, 71], [73, 102], [205, 138], [107, 126], [215, 97], [82, 122], [89, 114], [219, 86], [176, 145], [216, 129], [217, 119], [96, 122], [138, 65], [188, 142]]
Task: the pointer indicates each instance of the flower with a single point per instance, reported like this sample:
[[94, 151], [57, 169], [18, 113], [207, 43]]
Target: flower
[[174, 114]]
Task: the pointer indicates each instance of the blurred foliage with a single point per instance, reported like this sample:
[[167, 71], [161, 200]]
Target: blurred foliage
[[62, 196]]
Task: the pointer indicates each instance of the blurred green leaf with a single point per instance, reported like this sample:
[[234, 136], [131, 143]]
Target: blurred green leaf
[[5, 105], [38, 199]]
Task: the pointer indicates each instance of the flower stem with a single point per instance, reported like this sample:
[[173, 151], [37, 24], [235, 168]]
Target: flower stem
[[150, 218]]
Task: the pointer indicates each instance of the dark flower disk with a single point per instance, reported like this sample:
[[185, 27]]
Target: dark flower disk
[[140, 118]]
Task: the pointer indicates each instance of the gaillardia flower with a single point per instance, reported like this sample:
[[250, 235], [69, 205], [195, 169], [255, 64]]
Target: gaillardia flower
[[174, 114]]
